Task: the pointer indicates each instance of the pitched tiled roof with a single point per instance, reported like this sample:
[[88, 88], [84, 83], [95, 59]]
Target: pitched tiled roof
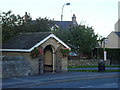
[[64, 24], [118, 33], [25, 41], [28, 41]]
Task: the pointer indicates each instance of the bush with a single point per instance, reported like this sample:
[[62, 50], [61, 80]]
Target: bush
[[113, 53]]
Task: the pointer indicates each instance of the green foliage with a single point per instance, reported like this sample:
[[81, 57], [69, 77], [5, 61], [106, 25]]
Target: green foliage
[[38, 25], [83, 39], [36, 53], [65, 51], [95, 70], [92, 66], [63, 34], [14, 24], [10, 25], [113, 53]]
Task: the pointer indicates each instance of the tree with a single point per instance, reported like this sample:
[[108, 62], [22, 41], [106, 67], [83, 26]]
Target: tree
[[38, 25], [83, 39], [63, 34], [13, 25], [10, 24]]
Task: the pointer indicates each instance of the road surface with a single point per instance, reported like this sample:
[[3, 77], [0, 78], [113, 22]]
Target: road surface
[[92, 83], [65, 80]]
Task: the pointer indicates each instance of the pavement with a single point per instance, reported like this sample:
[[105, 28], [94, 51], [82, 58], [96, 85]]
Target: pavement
[[48, 78]]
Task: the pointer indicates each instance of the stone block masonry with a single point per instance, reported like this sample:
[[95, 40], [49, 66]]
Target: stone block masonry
[[86, 62], [15, 67]]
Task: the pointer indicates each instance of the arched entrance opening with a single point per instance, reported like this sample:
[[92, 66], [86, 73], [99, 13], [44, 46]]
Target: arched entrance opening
[[48, 59]]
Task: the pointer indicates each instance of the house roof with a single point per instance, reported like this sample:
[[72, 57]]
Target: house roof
[[64, 24], [28, 41], [25, 41], [118, 33]]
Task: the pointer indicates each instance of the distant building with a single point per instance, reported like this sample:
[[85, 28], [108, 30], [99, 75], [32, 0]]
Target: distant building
[[114, 37], [65, 24], [113, 40]]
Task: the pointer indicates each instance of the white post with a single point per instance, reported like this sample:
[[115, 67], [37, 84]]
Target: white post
[[105, 55], [53, 63]]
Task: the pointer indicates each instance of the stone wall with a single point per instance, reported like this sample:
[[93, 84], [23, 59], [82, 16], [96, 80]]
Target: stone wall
[[16, 64], [86, 62], [15, 67], [64, 63]]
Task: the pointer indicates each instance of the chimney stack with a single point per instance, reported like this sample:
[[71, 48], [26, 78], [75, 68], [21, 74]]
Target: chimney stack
[[26, 17], [74, 19]]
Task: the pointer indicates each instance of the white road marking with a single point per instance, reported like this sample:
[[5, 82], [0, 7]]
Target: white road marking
[[110, 84], [86, 86]]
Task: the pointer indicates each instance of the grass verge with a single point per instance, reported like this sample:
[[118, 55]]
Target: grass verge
[[91, 66], [95, 70]]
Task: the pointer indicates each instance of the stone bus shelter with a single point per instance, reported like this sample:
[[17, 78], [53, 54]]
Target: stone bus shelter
[[17, 60]]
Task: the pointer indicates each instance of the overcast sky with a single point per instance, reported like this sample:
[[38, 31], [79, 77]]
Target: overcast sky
[[101, 14]]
